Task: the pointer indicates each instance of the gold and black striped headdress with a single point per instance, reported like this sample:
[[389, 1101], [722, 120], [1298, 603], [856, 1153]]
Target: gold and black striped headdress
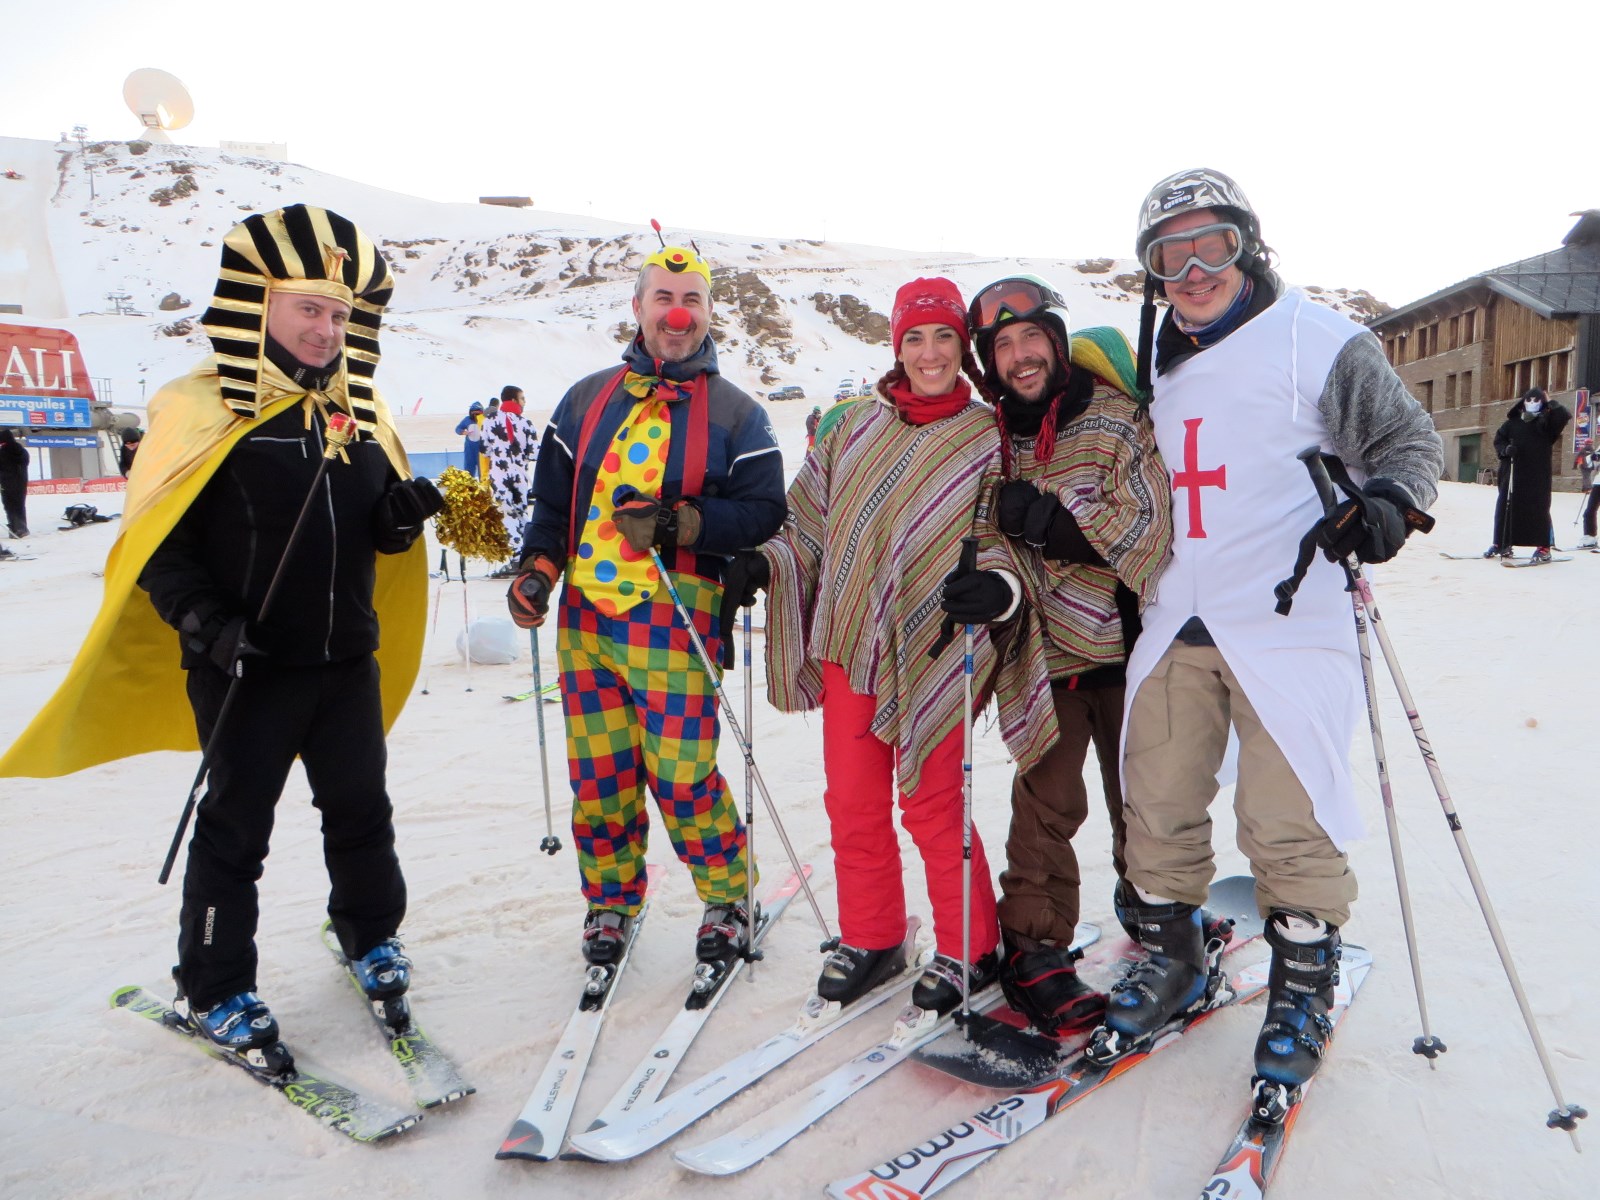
[[297, 249]]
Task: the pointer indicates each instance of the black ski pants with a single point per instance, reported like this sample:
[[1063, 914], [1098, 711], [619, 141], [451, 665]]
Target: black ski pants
[[331, 717], [14, 496], [1589, 510]]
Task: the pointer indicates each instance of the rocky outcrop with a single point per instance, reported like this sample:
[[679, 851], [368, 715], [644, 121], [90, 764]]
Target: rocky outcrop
[[854, 316]]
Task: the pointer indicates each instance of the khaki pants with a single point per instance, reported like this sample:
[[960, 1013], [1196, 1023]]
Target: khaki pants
[[1177, 734]]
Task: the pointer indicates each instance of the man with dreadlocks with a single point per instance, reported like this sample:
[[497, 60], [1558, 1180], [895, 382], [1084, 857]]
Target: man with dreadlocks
[[226, 470], [1248, 374], [1084, 507], [665, 454]]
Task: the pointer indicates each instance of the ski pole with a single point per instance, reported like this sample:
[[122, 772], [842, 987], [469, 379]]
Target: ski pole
[[1429, 1046], [829, 941], [438, 601], [969, 563], [341, 428], [551, 843], [466, 624], [1565, 1116], [750, 952]]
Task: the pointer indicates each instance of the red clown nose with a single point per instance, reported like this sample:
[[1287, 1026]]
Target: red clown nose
[[679, 318]]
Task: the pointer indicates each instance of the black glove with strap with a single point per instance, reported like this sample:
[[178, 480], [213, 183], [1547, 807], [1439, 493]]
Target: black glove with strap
[[401, 510], [746, 573], [1038, 519], [226, 641], [1372, 523], [976, 597], [1011, 506], [646, 521]]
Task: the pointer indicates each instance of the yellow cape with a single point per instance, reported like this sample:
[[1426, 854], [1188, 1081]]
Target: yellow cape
[[124, 693]]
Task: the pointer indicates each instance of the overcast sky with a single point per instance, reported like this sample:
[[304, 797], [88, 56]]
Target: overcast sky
[[1398, 146]]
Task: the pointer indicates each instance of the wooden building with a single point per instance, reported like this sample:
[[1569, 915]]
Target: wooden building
[[1469, 351]]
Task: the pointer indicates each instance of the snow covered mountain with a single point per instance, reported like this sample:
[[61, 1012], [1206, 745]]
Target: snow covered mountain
[[485, 295]]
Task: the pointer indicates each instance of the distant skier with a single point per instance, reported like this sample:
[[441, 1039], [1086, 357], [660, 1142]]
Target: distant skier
[[470, 427], [1522, 509], [1590, 466], [1248, 373], [661, 452], [228, 465], [14, 483], [813, 419], [511, 448]]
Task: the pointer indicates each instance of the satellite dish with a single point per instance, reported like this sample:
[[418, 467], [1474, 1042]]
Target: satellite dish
[[159, 100]]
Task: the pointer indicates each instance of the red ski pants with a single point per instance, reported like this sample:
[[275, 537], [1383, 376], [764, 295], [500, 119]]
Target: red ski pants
[[866, 851]]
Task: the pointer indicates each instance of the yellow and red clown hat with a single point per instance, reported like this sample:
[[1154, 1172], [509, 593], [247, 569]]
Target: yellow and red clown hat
[[679, 259]]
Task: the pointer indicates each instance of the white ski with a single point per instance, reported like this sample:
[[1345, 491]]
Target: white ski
[[753, 1141], [646, 1127], [649, 1079], [537, 1132]]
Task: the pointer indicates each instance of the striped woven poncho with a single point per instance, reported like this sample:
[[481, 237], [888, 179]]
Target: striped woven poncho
[[876, 518], [1107, 472]]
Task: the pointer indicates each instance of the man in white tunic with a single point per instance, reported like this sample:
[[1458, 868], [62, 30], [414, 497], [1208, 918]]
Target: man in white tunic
[[1247, 374]]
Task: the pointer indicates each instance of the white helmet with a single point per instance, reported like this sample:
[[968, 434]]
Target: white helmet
[[1196, 189]]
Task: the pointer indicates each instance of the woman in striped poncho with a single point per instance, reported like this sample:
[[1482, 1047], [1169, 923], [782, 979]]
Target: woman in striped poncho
[[875, 522]]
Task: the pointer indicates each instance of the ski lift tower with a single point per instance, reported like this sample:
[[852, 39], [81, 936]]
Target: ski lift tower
[[160, 101]]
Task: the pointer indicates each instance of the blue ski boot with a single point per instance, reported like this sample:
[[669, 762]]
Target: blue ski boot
[[384, 973], [240, 1023], [1175, 977], [1305, 970]]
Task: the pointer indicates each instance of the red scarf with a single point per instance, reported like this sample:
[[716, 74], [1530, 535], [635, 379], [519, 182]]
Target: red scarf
[[923, 410]]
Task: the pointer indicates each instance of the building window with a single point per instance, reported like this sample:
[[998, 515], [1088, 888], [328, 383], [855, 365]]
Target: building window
[[1469, 327], [1449, 391], [1464, 394], [1425, 394], [1455, 333], [1558, 372]]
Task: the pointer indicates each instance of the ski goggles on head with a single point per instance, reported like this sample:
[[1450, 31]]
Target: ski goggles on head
[[1011, 299], [1212, 248]]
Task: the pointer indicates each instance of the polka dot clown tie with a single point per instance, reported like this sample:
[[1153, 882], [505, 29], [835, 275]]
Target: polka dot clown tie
[[605, 568]]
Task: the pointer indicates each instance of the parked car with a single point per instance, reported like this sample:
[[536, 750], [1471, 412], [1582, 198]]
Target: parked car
[[792, 392], [847, 389]]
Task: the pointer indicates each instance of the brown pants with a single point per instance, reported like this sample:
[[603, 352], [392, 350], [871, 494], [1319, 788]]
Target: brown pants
[[1048, 804], [1177, 735]]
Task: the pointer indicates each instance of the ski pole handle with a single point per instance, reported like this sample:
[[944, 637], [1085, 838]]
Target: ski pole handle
[[965, 565], [1312, 457], [969, 554]]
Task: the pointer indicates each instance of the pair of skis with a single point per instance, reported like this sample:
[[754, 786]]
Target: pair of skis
[[433, 1079], [540, 1129], [1244, 1170]]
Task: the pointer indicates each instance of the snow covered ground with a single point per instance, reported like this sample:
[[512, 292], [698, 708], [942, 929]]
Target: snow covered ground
[[93, 1104]]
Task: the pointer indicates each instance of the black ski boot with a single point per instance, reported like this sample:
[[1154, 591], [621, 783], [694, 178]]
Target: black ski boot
[[605, 935], [848, 973], [1041, 983], [1174, 978], [1212, 926], [724, 932], [1299, 995], [938, 990]]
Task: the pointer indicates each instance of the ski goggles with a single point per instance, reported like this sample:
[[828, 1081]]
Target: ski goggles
[[1212, 248], [1011, 299]]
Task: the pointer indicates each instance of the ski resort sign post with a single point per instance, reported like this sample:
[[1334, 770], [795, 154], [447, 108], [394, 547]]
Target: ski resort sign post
[[42, 381]]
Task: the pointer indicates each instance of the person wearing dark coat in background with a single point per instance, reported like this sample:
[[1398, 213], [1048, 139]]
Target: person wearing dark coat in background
[[1523, 442], [130, 447], [14, 482]]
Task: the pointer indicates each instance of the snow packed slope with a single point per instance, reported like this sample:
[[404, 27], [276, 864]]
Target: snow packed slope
[[93, 1104]]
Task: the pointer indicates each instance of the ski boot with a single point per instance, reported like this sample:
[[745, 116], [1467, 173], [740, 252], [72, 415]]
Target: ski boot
[[1212, 926], [242, 1026], [605, 936], [1041, 983], [1181, 974], [1304, 972], [1496, 551], [938, 990], [723, 938], [1587, 543], [384, 973], [848, 973], [1541, 554]]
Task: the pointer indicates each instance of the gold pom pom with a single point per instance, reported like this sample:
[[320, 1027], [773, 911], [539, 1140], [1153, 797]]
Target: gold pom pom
[[470, 523]]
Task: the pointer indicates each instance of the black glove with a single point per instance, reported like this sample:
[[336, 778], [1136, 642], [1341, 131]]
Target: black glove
[[645, 521], [226, 641], [746, 573], [976, 597], [1012, 504], [402, 509], [1051, 529], [528, 597], [1371, 524]]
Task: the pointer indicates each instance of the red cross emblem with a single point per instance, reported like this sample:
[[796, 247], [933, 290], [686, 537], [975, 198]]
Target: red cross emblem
[[1193, 478]]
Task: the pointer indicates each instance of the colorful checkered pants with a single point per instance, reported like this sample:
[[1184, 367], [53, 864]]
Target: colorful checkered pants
[[640, 710]]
